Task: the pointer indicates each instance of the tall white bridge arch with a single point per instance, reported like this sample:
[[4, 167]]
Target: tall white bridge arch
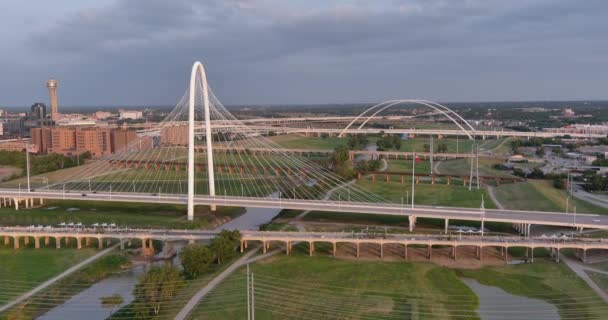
[[449, 113], [198, 68]]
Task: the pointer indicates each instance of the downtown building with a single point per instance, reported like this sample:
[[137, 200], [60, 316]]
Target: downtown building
[[99, 141]]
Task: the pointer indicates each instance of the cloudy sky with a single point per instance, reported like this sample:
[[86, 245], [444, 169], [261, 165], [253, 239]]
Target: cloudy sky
[[139, 52]]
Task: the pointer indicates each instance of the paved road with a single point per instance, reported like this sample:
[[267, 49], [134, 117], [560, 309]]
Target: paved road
[[492, 194], [437, 212], [212, 284], [51, 281], [598, 200], [579, 269]]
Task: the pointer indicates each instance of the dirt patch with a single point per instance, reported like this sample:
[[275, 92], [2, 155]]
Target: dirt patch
[[8, 172]]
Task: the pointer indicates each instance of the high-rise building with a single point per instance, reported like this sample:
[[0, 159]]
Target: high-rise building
[[41, 138], [51, 84], [95, 140], [38, 111]]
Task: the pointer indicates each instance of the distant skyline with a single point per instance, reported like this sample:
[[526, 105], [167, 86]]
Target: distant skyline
[[139, 52]]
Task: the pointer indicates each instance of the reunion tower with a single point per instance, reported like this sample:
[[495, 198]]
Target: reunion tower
[[52, 85]]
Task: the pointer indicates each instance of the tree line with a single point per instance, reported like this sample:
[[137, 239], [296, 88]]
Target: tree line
[[161, 284], [40, 163]]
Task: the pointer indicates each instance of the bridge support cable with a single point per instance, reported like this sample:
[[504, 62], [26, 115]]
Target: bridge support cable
[[200, 148]]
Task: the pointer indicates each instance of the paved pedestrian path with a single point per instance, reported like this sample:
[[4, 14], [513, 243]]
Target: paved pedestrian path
[[579, 269], [183, 314]]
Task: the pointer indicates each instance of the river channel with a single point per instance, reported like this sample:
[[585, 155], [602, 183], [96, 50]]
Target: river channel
[[497, 304]]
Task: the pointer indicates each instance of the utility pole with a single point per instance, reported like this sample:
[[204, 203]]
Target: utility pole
[[483, 212], [252, 299], [431, 153], [477, 164], [413, 178], [574, 224], [27, 160], [248, 296], [471, 171]]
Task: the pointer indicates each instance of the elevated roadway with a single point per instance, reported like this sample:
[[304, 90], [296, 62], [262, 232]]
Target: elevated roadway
[[19, 234], [523, 218]]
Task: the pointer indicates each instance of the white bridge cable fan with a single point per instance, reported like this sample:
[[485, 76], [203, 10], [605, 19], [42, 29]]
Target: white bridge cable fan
[[245, 161]]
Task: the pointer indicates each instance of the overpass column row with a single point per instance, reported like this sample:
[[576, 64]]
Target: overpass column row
[[523, 228]]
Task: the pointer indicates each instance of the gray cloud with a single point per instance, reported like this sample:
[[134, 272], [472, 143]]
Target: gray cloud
[[272, 51]]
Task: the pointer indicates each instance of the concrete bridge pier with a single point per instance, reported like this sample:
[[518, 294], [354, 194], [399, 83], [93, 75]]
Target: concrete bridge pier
[[333, 249], [412, 222], [530, 253], [405, 251], [446, 225], [357, 246], [7, 240], [584, 257], [57, 242], [381, 250], [16, 242], [37, 242], [47, 241], [311, 248], [122, 244], [430, 251]]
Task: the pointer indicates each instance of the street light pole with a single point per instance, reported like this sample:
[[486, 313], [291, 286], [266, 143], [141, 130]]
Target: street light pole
[[248, 296], [471, 171], [413, 178], [27, 160], [431, 153]]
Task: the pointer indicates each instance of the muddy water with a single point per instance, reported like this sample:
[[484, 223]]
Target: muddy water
[[497, 304]]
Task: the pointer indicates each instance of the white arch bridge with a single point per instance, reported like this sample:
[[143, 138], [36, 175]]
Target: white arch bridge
[[275, 179]]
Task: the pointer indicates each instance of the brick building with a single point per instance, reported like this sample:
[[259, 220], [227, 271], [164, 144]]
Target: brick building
[[75, 140]]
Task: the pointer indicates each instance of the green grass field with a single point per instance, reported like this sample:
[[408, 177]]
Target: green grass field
[[300, 287], [406, 166], [124, 214], [64, 289], [546, 280], [23, 269], [425, 194], [463, 167], [293, 141], [542, 196]]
